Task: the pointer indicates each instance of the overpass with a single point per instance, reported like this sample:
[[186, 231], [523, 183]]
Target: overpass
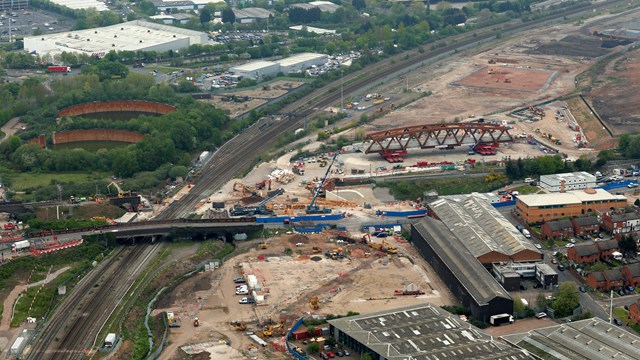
[[179, 228], [436, 136]]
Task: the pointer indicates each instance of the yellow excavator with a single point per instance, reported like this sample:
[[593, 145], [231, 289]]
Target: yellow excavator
[[240, 187], [390, 249], [314, 303], [238, 325]]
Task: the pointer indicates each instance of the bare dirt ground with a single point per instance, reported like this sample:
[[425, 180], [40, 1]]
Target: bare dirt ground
[[508, 78], [11, 127], [354, 284]]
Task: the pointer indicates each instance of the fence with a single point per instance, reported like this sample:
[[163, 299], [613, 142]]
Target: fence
[[617, 185], [317, 229], [503, 204], [281, 219], [294, 351], [401, 213]]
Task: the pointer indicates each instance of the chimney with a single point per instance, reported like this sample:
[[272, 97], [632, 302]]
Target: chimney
[[562, 181]]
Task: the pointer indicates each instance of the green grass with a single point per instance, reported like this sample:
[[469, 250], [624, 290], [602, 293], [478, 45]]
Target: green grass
[[527, 189], [621, 314], [411, 190], [26, 181]]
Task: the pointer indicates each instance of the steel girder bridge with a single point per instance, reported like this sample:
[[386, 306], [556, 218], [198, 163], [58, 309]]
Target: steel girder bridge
[[442, 136]]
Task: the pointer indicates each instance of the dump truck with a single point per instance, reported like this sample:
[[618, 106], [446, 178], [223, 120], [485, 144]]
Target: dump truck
[[497, 320]]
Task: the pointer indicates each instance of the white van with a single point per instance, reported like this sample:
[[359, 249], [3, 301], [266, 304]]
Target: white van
[[526, 233], [242, 291]]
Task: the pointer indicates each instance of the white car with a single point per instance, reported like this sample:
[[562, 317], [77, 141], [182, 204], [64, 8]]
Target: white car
[[538, 246], [569, 245]]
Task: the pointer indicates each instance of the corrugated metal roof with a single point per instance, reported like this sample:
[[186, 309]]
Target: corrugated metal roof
[[480, 226]]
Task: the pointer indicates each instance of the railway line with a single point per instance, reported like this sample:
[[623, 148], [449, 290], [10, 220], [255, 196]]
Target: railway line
[[78, 319], [239, 152]]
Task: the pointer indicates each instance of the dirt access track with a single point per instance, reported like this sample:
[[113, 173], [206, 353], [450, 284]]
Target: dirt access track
[[357, 283]]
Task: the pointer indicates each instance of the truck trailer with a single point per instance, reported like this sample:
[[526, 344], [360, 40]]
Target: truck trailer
[[20, 245], [58, 69], [497, 320]]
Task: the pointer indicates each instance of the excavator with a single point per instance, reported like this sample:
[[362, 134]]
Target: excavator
[[244, 189], [238, 325], [314, 303], [118, 189], [390, 249]]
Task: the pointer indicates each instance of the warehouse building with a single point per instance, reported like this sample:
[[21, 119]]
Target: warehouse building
[[13, 4], [324, 6], [419, 332], [250, 15], [483, 230], [567, 181], [593, 339], [301, 62], [467, 279], [131, 36], [255, 70], [539, 208], [82, 4]]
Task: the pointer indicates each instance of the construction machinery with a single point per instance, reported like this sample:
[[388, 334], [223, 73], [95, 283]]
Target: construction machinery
[[118, 189], [314, 303], [313, 208], [196, 322], [244, 189], [238, 325], [390, 249], [264, 183], [263, 245], [316, 250]]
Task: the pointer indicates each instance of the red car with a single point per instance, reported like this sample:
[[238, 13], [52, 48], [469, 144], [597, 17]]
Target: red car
[[331, 354]]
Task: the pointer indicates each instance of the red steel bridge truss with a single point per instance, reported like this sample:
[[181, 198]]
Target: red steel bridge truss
[[443, 136]]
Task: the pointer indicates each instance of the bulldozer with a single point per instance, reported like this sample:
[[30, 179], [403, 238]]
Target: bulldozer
[[238, 325], [314, 303]]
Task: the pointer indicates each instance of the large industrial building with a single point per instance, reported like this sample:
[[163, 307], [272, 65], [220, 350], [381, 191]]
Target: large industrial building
[[539, 208], [420, 332], [593, 339], [258, 69], [301, 62], [132, 36], [467, 279], [567, 181], [483, 230], [82, 4]]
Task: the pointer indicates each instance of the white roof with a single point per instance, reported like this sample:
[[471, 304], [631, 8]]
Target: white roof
[[300, 58], [82, 4], [582, 175], [132, 36], [312, 29], [253, 66], [569, 197]]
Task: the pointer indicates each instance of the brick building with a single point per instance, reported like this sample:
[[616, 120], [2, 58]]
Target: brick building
[[613, 278], [584, 253], [607, 247], [558, 229], [567, 181], [631, 275], [620, 224], [585, 225], [596, 281], [539, 208], [634, 312]]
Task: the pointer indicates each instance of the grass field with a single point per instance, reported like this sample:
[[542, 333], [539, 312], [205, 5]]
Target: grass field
[[26, 181]]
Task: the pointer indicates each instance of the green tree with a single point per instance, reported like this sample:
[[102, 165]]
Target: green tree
[[205, 16], [314, 347], [541, 301], [567, 299], [366, 356], [628, 244], [10, 145], [228, 16], [359, 4], [518, 307], [147, 7]]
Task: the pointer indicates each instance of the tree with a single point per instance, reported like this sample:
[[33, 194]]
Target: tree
[[366, 356], [567, 299], [205, 16], [628, 244], [228, 16], [541, 301], [147, 7], [359, 4], [314, 347], [518, 307]]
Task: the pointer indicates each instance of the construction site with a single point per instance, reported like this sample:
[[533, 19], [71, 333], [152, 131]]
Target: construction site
[[322, 274]]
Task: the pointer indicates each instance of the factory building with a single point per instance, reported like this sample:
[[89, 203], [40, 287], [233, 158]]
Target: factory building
[[419, 332], [250, 15], [324, 6], [255, 70], [567, 181], [82, 4], [593, 339], [539, 208], [483, 230], [301, 62], [467, 279]]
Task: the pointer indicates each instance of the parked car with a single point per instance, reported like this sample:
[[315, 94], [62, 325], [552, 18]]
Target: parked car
[[239, 280], [569, 245], [538, 246], [346, 353], [630, 288], [246, 300], [330, 354], [560, 267], [572, 240], [523, 287], [617, 322], [582, 289], [339, 353], [541, 315], [324, 356], [554, 260]]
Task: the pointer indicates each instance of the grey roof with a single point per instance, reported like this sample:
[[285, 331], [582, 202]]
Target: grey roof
[[608, 244], [480, 285], [625, 217], [634, 269], [480, 226], [250, 13], [586, 249], [424, 332], [592, 339], [545, 269], [599, 276], [559, 225], [586, 221], [614, 275]]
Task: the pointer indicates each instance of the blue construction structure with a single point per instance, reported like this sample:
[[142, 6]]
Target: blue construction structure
[[313, 208]]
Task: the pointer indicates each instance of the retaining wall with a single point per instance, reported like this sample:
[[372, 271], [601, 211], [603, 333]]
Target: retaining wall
[[96, 135], [117, 106]]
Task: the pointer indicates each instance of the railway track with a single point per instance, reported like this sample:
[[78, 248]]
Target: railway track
[[239, 152], [77, 321]]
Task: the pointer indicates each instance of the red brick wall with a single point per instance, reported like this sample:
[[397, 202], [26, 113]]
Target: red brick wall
[[126, 105], [40, 140], [572, 255], [591, 281], [635, 282], [96, 135]]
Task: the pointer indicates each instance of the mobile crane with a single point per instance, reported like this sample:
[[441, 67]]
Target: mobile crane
[[313, 208]]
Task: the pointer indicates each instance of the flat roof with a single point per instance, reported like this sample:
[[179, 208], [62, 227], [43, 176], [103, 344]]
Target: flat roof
[[132, 36], [480, 285], [312, 29], [252, 12], [253, 66], [572, 176], [592, 339], [82, 4], [569, 197], [480, 226], [300, 58], [424, 332]]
